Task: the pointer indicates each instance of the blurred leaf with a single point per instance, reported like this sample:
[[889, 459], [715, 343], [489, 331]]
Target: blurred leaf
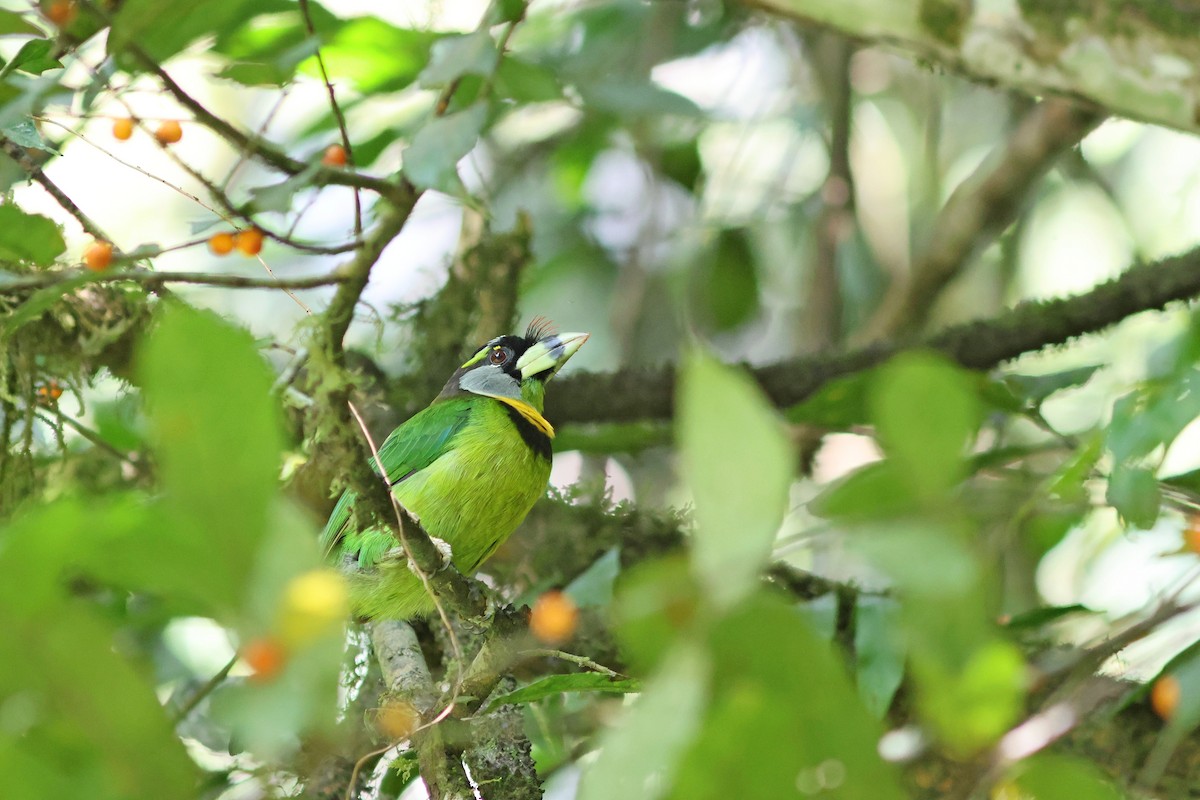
[[431, 161], [776, 689], [879, 652], [655, 602], [1135, 494], [161, 28], [280, 196], [973, 706], [35, 57], [374, 55], [270, 51], [1048, 776], [636, 98], [1149, 418], [218, 440], [926, 412], [29, 237], [558, 684], [526, 82], [1043, 530], [926, 559], [821, 613], [681, 163], [724, 286], [638, 756], [454, 56], [1036, 388], [1069, 483], [872, 491], [839, 404], [593, 588], [738, 464], [12, 23]]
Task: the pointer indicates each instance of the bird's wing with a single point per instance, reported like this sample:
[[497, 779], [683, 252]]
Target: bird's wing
[[412, 447]]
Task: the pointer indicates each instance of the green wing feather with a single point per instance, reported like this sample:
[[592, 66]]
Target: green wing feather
[[412, 447]]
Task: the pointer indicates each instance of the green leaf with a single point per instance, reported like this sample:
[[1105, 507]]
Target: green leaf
[[839, 404], [217, 431], [431, 161], [1044, 615], [926, 412], [656, 603], [724, 286], [973, 706], [873, 491], [1036, 388], [34, 57], [457, 55], [1135, 494], [280, 196], [593, 588], [784, 720], [374, 56], [638, 756], [270, 51], [558, 684], [526, 82], [879, 651], [738, 463], [29, 237], [25, 134], [162, 28], [12, 23], [636, 98], [1048, 776]]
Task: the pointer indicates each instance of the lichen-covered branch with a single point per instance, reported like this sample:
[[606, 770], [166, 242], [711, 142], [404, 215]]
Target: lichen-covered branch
[[649, 394], [1134, 59]]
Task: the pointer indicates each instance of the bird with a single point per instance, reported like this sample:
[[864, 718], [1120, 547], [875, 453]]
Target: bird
[[469, 467]]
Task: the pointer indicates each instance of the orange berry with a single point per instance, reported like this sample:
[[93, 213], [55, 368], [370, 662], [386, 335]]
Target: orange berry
[[397, 720], [169, 131], [249, 241], [49, 392], [1165, 695], [554, 618], [98, 256], [266, 657], [1191, 534], [122, 128], [62, 12], [335, 156], [221, 243]]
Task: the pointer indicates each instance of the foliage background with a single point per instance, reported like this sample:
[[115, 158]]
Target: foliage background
[[937, 539]]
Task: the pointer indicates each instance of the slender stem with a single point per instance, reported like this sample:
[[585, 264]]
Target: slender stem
[[148, 278], [204, 691]]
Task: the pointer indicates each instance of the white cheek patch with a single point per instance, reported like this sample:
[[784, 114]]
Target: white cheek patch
[[492, 381]]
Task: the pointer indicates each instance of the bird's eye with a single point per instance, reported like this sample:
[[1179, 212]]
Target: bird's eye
[[499, 356]]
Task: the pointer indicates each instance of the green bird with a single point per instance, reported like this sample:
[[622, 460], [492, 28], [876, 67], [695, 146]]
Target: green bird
[[469, 467]]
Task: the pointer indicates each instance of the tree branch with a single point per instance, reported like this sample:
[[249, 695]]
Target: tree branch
[[1033, 325], [981, 208], [42, 280]]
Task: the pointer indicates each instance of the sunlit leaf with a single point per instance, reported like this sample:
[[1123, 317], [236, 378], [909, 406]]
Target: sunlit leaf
[[35, 57], [161, 28], [1049, 776], [739, 464]]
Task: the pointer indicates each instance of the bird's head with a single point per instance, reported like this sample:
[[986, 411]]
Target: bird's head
[[515, 368]]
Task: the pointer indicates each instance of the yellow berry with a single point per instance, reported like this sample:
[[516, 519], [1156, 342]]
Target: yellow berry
[[122, 128], [314, 604]]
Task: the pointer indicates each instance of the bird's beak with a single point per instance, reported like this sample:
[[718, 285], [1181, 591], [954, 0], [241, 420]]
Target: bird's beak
[[550, 354]]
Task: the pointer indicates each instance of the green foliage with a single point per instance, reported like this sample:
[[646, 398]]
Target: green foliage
[[29, 237]]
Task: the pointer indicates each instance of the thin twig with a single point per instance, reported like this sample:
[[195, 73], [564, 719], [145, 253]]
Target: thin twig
[[582, 661], [204, 691], [146, 277]]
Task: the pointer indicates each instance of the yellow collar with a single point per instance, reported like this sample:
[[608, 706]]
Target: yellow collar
[[529, 413]]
